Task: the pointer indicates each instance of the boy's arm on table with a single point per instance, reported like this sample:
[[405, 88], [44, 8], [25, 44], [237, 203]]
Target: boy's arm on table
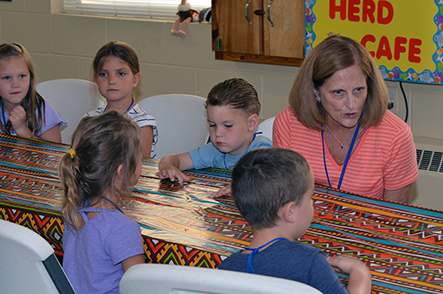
[[170, 166], [359, 274]]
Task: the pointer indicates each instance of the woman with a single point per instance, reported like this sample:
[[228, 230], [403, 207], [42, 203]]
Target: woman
[[337, 119]]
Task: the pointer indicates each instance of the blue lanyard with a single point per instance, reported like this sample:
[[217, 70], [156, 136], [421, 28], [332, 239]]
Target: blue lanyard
[[224, 161], [224, 154], [3, 114], [11, 130], [106, 107], [347, 157], [255, 250], [87, 202]]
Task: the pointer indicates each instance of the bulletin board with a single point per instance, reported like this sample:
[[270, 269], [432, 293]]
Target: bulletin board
[[405, 37]]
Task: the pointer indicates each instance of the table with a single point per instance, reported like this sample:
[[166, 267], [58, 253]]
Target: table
[[401, 244]]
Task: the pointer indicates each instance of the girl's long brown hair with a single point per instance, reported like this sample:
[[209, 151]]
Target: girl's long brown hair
[[33, 101]]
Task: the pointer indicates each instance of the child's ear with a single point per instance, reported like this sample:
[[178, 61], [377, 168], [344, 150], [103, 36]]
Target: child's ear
[[120, 172], [136, 79], [288, 211], [253, 122]]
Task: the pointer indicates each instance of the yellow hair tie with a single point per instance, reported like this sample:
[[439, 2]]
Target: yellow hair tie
[[71, 152]]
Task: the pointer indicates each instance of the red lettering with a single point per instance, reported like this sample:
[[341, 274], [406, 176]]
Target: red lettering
[[333, 8], [382, 4], [353, 10], [368, 38], [398, 47], [414, 50], [368, 11], [384, 49]]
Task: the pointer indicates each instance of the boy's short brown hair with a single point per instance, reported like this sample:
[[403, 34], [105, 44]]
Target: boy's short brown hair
[[237, 93], [264, 180]]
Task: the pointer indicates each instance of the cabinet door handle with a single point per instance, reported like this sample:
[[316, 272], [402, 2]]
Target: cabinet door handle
[[247, 12], [269, 13]]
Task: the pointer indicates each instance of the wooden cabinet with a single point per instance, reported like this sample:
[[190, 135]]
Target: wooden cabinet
[[263, 31]]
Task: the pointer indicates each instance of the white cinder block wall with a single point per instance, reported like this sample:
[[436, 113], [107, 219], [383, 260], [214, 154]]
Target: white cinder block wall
[[62, 46]]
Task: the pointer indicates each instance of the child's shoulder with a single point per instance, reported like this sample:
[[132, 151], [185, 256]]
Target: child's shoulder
[[292, 252], [288, 251], [260, 142], [138, 109], [115, 219], [99, 110], [287, 245], [141, 117]]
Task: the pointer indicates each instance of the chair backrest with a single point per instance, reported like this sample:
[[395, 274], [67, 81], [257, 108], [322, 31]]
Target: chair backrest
[[28, 263], [181, 122], [165, 279], [266, 127], [73, 98]]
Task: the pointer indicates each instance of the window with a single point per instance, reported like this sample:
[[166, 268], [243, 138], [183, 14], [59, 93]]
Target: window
[[135, 8]]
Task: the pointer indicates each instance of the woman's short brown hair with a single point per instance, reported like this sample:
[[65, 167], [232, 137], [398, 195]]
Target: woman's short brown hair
[[329, 56]]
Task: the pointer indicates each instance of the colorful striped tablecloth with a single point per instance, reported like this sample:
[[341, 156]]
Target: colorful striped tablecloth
[[401, 244]]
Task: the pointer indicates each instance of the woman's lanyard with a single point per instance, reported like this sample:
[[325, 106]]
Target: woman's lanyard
[[347, 157], [256, 250], [106, 107], [87, 202]]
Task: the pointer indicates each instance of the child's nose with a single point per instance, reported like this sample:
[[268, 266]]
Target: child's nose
[[111, 79], [218, 132], [15, 83]]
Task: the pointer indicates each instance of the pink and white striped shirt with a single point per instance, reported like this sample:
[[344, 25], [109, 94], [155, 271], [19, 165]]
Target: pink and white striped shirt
[[385, 158]]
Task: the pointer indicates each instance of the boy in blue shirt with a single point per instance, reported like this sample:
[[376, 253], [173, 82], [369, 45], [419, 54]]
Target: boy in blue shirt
[[272, 189], [232, 109]]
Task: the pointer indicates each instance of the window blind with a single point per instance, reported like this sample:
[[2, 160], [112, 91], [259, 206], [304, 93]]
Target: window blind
[[134, 8]]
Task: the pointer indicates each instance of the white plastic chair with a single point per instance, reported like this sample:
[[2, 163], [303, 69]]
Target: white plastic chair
[[73, 98], [266, 127], [28, 263], [166, 279], [181, 122]]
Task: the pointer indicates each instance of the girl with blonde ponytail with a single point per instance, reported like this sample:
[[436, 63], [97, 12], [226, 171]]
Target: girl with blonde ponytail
[[100, 242]]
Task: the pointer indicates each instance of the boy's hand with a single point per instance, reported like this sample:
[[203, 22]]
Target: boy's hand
[[345, 262], [359, 274], [170, 166], [173, 174], [225, 191]]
